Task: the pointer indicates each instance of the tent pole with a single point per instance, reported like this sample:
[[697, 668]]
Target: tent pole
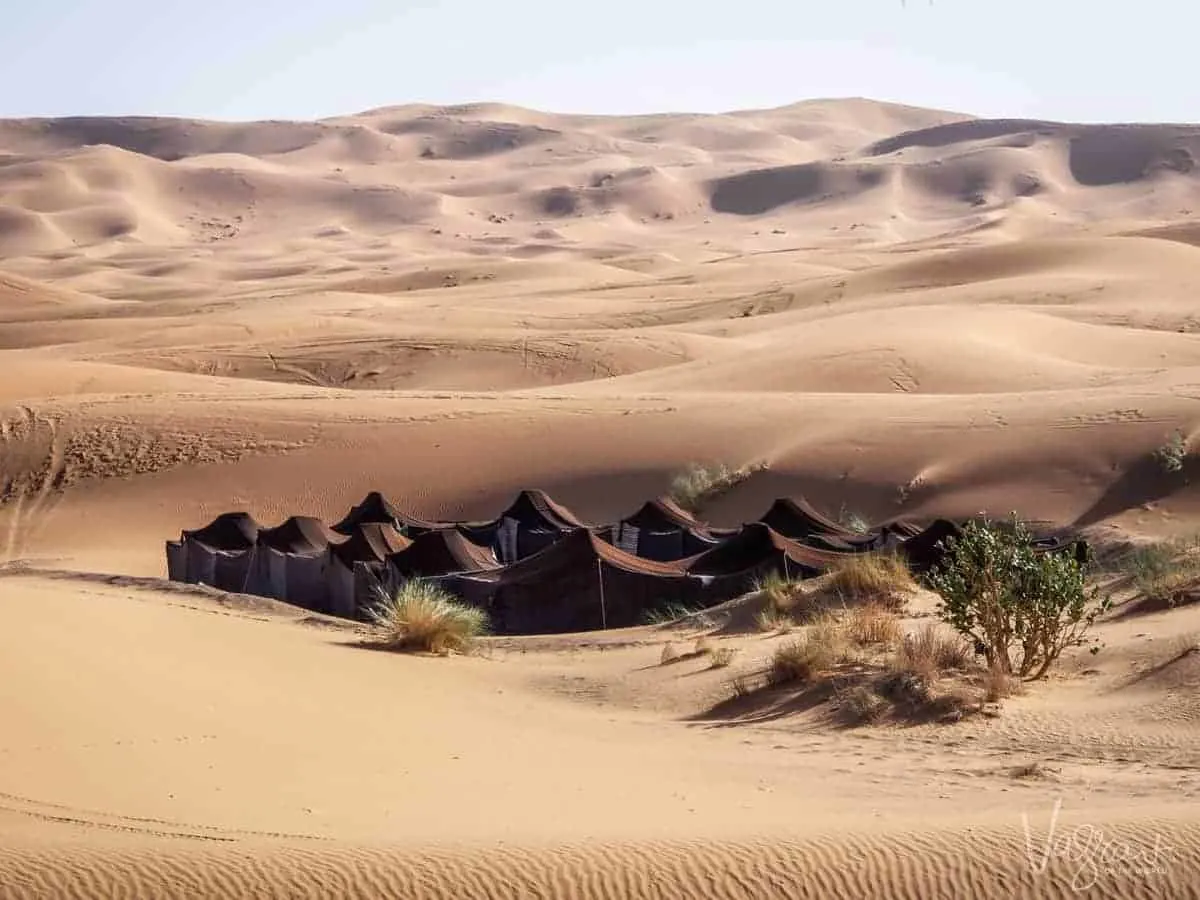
[[603, 612]]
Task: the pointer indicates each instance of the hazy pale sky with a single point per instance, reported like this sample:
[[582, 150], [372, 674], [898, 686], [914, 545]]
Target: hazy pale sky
[[1081, 60]]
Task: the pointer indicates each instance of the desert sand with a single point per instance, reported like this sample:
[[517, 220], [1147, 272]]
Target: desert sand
[[902, 312]]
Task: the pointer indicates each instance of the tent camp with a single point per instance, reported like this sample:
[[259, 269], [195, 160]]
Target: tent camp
[[661, 531], [531, 523]]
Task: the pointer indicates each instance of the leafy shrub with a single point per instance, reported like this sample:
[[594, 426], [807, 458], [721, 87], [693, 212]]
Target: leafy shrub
[[1021, 608]]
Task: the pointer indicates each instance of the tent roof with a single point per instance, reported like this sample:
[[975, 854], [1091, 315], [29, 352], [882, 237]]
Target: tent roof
[[442, 552], [539, 502], [798, 519], [228, 531], [663, 513], [370, 542], [299, 534], [754, 545], [377, 508], [582, 549]]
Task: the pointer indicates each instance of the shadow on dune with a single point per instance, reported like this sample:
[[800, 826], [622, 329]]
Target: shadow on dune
[[762, 190], [1144, 482], [763, 705]]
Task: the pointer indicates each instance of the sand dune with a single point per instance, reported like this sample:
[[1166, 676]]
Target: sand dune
[[903, 312]]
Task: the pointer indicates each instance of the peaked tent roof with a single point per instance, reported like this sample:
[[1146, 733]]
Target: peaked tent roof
[[228, 531], [664, 514], [370, 542], [443, 552], [755, 545], [581, 549], [377, 508], [299, 534], [797, 519], [538, 503]]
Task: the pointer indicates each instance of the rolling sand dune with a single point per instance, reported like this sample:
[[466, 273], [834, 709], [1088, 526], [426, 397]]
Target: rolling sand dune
[[903, 312]]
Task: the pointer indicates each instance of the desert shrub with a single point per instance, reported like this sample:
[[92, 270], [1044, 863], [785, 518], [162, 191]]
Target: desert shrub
[[773, 620], [702, 646], [822, 647], [872, 624], [1162, 572], [930, 651], [721, 658], [881, 577], [421, 616], [698, 485], [1020, 607], [861, 704], [670, 653], [1171, 455], [779, 592], [998, 684]]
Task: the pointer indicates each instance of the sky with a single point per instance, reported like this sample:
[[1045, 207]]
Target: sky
[[1076, 60]]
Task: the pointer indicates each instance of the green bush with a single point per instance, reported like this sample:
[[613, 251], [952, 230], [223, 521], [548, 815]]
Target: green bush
[[1020, 607]]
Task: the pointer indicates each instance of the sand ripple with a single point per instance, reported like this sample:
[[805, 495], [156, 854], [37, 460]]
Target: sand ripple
[[1127, 860]]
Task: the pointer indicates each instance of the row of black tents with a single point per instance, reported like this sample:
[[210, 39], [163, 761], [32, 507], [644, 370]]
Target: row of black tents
[[537, 568]]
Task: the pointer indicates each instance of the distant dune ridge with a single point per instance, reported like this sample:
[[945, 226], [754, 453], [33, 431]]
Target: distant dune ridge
[[901, 313]]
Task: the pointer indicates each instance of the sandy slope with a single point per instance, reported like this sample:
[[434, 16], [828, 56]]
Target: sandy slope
[[903, 311]]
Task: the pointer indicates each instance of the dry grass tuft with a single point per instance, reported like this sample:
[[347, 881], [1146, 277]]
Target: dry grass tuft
[[931, 651], [742, 685], [773, 620], [998, 684], [721, 658], [880, 578], [421, 616], [873, 624], [702, 646], [670, 653], [823, 646]]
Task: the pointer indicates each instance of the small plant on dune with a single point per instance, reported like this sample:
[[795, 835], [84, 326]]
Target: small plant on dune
[[861, 705], [772, 620], [822, 647], [872, 624], [930, 651], [879, 577], [670, 653], [1171, 455], [698, 485], [853, 521], [1163, 572], [702, 646], [421, 616], [778, 591], [669, 612], [1021, 608], [998, 684], [721, 658]]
